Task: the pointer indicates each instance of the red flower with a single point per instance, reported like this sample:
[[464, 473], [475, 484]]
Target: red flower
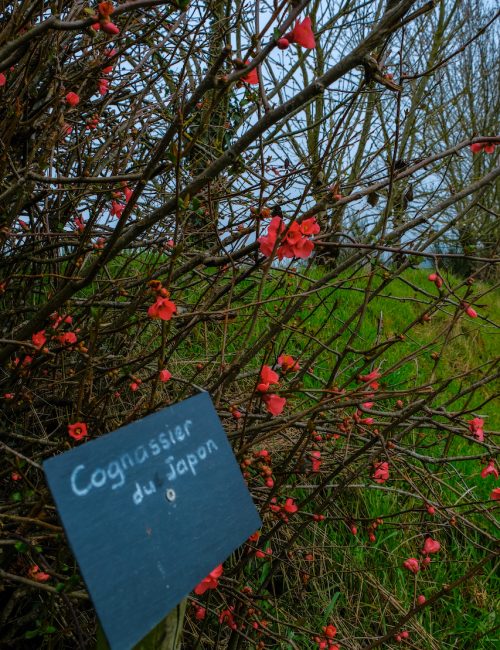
[[268, 241], [200, 613], [381, 473], [302, 34], [163, 308], [226, 616], [38, 575], [293, 235], [252, 77], [109, 27], [490, 469], [103, 86], [372, 376], [274, 404], [210, 582], [79, 223], [290, 506], [487, 147], [476, 428], [288, 363], [72, 99], [431, 546], [412, 565], [303, 248], [164, 375], [310, 227], [316, 461], [283, 43], [78, 430], [495, 494], [39, 339], [421, 599], [105, 9], [437, 279], [3, 79], [267, 376], [470, 311], [67, 338], [117, 209], [330, 631]]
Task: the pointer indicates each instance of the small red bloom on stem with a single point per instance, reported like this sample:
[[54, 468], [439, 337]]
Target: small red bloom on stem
[[288, 363], [103, 86], [476, 428], [164, 375], [163, 308], [274, 404], [117, 209], [290, 506], [267, 377], [3, 79], [252, 77], [495, 495], [372, 376], [72, 99], [302, 34], [431, 546], [67, 338], [412, 565], [470, 311], [381, 473], [38, 575], [490, 469], [210, 582], [110, 28], [39, 339], [78, 430]]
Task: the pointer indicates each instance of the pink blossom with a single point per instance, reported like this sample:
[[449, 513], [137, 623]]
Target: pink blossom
[[476, 428], [412, 565], [371, 376], [302, 34], [274, 404], [490, 469], [381, 473], [109, 27], [210, 582], [290, 506], [288, 363], [117, 209], [163, 308], [103, 86], [72, 99], [164, 375], [431, 546]]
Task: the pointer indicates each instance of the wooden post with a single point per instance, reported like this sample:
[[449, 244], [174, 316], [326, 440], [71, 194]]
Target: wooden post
[[167, 635]]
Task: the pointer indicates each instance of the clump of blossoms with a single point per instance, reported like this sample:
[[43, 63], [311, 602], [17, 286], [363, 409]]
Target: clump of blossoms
[[295, 240], [163, 308]]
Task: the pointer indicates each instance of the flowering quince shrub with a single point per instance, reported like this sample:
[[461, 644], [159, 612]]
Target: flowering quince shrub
[[196, 197]]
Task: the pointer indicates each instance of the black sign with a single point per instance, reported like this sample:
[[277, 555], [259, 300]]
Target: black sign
[[149, 510]]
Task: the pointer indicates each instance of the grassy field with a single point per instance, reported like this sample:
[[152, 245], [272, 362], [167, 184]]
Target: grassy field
[[358, 584]]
